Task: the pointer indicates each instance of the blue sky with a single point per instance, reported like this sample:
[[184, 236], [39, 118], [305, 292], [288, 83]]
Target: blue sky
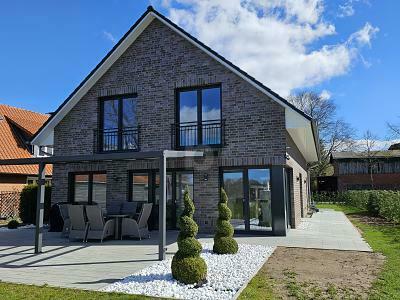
[[48, 47]]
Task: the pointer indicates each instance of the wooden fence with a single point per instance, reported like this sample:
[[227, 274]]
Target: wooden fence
[[9, 204]]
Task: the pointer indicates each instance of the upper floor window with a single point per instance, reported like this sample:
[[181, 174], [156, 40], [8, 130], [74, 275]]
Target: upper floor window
[[118, 126], [199, 117]]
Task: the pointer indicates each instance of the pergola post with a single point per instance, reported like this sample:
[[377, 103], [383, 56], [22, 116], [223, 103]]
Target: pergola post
[[40, 208], [162, 206]]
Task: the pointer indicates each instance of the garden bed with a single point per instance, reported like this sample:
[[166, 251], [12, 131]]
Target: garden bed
[[227, 274]]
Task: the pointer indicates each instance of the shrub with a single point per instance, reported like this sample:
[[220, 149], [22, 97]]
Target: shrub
[[27, 204], [378, 203], [224, 243], [13, 224], [187, 266]]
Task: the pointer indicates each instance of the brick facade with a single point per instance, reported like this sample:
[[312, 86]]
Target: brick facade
[[157, 63]]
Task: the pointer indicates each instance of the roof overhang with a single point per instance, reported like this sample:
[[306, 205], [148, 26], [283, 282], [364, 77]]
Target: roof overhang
[[45, 136], [304, 134]]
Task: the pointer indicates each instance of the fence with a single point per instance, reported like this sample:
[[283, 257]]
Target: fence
[[9, 204]]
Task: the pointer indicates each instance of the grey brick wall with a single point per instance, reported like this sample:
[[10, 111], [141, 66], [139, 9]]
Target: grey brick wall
[[299, 187], [154, 66]]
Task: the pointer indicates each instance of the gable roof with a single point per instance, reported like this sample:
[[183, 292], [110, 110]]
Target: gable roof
[[16, 127], [129, 37]]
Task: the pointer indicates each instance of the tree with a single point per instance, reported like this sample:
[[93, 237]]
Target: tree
[[187, 266], [224, 243], [334, 133], [394, 129], [367, 147]]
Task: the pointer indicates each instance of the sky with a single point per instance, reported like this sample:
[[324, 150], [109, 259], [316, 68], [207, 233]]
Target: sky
[[346, 50]]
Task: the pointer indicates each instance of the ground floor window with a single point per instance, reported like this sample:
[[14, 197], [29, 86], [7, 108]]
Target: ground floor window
[[88, 188], [145, 187], [249, 193]]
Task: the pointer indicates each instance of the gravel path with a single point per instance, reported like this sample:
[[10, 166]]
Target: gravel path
[[226, 275]]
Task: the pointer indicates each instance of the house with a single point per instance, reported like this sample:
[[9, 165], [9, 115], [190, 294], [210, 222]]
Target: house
[[359, 171], [17, 126], [161, 89]]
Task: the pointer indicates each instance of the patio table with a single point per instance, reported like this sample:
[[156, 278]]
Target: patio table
[[118, 219]]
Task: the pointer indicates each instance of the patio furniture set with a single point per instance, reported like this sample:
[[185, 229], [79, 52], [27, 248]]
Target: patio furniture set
[[90, 222]]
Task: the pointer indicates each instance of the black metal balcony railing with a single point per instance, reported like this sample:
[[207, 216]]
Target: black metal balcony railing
[[107, 140], [191, 134]]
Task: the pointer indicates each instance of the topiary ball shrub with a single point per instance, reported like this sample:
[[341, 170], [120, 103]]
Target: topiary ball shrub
[[13, 224], [224, 243], [187, 266]]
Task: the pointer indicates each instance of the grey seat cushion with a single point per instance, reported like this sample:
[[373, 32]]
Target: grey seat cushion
[[129, 208]]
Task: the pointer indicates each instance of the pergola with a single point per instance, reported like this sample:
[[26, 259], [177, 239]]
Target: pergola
[[162, 156]]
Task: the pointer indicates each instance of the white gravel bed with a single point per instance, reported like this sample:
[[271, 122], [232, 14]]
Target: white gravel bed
[[226, 275]]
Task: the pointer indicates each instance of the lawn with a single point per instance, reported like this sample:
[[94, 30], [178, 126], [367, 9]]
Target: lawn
[[11, 291]]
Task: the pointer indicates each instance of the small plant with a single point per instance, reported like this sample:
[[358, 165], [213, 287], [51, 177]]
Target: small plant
[[13, 224], [187, 266], [224, 243]]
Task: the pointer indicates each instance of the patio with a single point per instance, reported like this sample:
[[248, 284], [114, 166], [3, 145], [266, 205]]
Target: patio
[[95, 265]]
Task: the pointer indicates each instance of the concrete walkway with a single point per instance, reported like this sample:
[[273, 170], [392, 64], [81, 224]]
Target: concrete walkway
[[95, 265]]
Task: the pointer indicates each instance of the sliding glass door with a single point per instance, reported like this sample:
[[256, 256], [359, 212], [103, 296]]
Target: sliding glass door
[[249, 193], [145, 187]]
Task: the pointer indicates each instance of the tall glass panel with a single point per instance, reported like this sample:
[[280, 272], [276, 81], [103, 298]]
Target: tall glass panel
[[81, 188], [140, 187], [211, 116], [260, 199], [110, 125], [99, 190], [188, 118], [233, 185], [129, 124]]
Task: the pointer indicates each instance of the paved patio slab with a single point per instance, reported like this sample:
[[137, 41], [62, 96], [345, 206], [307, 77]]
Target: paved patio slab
[[95, 265]]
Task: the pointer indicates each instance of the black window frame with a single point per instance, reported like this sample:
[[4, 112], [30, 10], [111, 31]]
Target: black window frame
[[199, 90], [120, 98], [71, 185], [246, 193]]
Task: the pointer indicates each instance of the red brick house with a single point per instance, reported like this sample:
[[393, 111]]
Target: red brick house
[[17, 126]]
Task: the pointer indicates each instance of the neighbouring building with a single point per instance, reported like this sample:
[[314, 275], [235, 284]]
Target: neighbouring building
[[17, 126], [356, 171], [161, 89]]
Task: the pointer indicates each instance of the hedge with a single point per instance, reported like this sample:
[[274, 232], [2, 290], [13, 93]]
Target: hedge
[[379, 203], [27, 203]]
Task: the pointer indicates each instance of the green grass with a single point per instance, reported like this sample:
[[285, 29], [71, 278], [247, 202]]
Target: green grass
[[11, 291], [384, 239]]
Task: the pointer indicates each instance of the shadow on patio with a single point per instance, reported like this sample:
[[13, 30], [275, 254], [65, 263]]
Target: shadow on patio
[[91, 265]]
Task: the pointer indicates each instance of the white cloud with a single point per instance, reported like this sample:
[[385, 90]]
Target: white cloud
[[109, 37], [376, 144], [364, 35], [326, 95], [346, 10], [274, 40]]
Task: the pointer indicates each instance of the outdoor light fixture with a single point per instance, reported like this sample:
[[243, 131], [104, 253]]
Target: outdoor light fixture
[[205, 177], [298, 178]]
